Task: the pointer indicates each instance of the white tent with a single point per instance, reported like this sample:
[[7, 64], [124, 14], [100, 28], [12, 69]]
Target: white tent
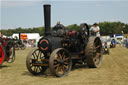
[[29, 35]]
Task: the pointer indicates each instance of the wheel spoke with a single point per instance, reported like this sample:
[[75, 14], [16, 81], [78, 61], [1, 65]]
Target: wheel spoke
[[31, 65], [40, 68], [65, 63], [56, 69], [63, 55], [34, 55], [60, 56], [35, 68], [66, 67], [56, 61], [57, 65], [96, 58], [38, 54], [61, 69], [42, 56], [66, 59]]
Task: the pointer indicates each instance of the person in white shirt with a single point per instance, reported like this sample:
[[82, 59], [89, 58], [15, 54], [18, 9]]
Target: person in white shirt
[[95, 30]]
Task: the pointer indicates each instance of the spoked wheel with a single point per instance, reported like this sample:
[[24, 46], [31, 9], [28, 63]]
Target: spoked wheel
[[60, 62], [94, 52], [36, 62], [2, 54], [10, 52], [23, 47]]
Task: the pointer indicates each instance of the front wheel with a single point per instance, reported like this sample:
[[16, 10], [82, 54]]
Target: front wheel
[[35, 62], [60, 62]]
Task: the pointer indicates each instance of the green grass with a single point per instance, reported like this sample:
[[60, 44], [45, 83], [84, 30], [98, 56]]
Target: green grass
[[113, 71]]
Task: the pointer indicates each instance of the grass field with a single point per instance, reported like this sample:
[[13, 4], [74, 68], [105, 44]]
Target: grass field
[[113, 71], [125, 35]]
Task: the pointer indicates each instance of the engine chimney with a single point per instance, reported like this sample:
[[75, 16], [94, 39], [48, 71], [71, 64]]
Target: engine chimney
[[19, 36], [47, 18]]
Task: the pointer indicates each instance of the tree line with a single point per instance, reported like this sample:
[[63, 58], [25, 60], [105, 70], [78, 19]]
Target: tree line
[[106, 28]]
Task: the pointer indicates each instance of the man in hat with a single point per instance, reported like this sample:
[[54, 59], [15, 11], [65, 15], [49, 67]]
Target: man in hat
[[95, 30]]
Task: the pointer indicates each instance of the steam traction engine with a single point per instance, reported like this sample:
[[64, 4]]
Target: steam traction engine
[[60, 50], [7, 50]]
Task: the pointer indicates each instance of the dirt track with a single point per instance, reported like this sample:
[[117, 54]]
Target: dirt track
[[113, 71]]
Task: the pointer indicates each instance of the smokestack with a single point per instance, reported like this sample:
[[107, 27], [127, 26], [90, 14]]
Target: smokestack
[[19, 36], [47, 18]]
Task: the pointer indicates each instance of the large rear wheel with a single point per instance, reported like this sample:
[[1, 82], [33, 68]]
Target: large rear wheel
[[94, 52], [60, 62]]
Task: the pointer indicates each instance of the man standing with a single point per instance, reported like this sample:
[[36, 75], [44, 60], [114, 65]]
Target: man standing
[[95, 30], [0, 34], [127, 42]]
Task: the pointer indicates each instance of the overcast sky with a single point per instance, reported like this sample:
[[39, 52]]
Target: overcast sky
[[29, 13]]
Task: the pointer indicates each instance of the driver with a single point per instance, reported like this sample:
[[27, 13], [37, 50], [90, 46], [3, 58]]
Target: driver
[[95, 30]]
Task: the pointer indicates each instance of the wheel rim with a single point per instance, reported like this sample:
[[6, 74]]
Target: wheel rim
[[33, 61], [2, 54], [60, 64], [97, 51]]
